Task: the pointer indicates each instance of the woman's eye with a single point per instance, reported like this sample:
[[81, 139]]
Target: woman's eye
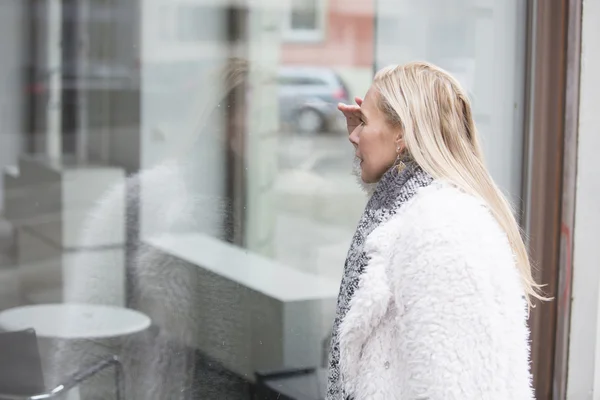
[[362, 123]]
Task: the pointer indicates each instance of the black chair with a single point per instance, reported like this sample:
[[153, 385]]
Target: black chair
[[21, 375]]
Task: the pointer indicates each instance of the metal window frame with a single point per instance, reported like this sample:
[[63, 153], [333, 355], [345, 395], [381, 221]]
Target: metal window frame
[[549, 180], [235, 161]]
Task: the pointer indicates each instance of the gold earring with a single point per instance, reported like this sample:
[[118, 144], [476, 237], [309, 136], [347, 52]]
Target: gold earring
[[400, 164]]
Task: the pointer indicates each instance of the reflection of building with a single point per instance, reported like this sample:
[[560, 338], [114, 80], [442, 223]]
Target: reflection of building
[[333, 33]]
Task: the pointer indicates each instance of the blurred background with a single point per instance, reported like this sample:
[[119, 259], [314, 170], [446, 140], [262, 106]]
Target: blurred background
[[176, 185]]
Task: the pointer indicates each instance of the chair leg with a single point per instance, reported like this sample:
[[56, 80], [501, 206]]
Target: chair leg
[[118, 381]]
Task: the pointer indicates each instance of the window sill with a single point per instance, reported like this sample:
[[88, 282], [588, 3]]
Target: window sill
[[253, 271], [293, 36]]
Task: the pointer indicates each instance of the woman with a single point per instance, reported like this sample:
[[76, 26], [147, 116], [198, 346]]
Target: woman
[[434, 299]]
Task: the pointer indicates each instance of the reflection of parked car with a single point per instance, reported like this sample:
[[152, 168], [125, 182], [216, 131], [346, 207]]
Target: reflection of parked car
[[308, 98]]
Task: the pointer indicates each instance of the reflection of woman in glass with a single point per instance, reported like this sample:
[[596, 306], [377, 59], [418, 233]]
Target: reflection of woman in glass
[[434, 299], [157, 365]]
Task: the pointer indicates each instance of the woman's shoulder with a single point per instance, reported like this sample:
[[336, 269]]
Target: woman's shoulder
[[443, 213], [445, 233], [441, 203]]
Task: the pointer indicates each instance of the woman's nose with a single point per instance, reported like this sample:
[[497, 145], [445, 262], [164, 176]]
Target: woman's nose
[[353, 137]]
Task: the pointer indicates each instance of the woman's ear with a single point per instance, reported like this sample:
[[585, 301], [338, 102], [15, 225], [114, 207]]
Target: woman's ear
[[400, 145]]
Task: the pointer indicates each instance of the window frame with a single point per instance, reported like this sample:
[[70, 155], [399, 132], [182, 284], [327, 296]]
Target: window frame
[[554, 33], [306, 35]]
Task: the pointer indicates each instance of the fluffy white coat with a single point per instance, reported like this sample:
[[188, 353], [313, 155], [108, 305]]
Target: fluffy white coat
[[440, 311]]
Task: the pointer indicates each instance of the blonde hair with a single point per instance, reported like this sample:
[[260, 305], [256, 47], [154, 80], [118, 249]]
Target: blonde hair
[[439, 132]]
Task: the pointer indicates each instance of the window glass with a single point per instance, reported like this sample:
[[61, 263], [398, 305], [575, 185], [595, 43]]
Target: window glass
[[177, 184], [304, 21], [304, 15], [482, 44]]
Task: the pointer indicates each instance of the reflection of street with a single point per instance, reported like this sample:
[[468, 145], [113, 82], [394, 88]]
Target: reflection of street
[[318, 202], [328, 152]]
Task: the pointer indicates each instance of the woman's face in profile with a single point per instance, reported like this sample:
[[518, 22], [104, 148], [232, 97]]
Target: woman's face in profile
[[375, 140]]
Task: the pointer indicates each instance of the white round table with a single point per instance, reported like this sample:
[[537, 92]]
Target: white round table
[[74, 321], [68, 332]]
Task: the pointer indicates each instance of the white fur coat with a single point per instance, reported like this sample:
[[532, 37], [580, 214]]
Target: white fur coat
[[440, 312]]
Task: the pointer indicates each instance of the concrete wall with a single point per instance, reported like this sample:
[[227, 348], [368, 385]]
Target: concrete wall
[[180, 90], [264, 44], [584, 354]]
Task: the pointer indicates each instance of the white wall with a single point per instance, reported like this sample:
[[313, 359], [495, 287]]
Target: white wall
[[264, 44], [11, 88], [174, 123], [584, 370]]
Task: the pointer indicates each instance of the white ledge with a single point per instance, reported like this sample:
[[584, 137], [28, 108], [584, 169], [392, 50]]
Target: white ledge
[[250, 270]]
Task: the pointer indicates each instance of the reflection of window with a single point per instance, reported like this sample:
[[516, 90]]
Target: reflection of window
[[303, 15], [305, 20]]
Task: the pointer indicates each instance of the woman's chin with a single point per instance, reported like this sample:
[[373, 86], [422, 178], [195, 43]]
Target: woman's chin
[[367, 179], [357, 168], [359, 172], [360, 177]]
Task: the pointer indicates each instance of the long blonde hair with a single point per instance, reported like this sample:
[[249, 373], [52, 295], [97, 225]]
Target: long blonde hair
[[439, 132]]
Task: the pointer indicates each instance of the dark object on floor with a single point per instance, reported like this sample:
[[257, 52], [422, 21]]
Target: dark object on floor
[[21, 376], [20, 363], [212, 380], [291, 384]]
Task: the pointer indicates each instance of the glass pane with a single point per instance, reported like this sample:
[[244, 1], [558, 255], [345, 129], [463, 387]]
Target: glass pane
[[482, 44], [304, 15], [177, 184]]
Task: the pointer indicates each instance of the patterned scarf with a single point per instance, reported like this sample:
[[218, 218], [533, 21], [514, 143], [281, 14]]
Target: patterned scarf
[[393, 190]]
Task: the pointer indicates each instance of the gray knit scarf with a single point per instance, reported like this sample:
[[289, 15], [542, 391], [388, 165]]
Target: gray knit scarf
[[393, 190]]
